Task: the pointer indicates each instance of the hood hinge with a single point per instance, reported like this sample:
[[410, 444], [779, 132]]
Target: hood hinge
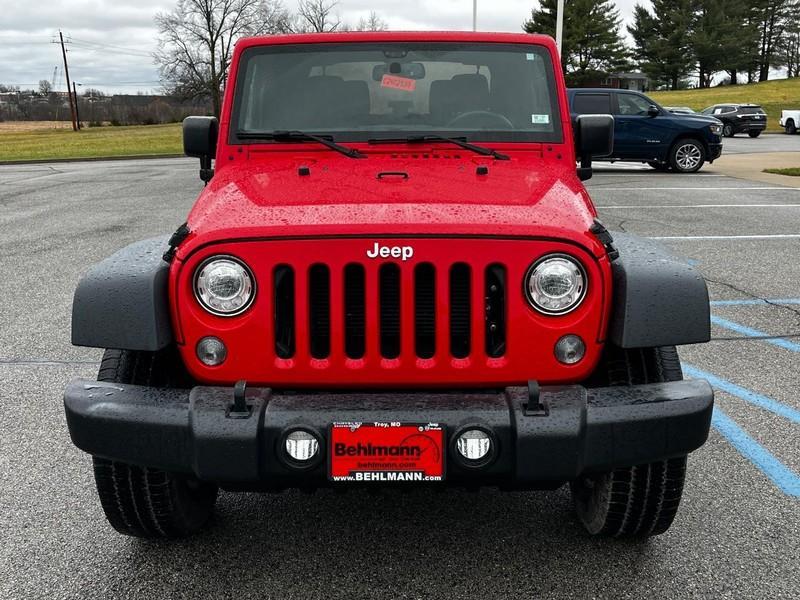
[[602, 234], [175, 240]]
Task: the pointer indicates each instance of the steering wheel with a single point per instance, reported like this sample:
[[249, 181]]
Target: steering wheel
[[485, 114]]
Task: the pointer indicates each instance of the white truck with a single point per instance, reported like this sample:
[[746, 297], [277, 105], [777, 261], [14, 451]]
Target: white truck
[[790, 121]]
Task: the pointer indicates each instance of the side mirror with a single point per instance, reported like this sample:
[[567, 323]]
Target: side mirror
[[594, 138], [200, 141], [653, 111]]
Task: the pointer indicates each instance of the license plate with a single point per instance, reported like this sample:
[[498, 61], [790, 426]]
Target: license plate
[[386, 452]]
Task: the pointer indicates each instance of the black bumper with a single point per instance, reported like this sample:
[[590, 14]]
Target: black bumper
[[714, 152], [748, 126], [571, 431]]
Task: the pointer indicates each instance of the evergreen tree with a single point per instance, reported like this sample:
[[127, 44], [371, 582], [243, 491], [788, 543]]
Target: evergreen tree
[[774, 16], [711, 39], [662, 40], [730, 46], [592, 46], [789, 49]]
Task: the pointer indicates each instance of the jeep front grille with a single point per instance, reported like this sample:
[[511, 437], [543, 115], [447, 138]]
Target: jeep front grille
[[303, 305], [329, 312]]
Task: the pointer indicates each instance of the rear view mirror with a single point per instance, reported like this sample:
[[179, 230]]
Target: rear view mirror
[[408, 70], [200, 141], [594, 138], [653, 111]]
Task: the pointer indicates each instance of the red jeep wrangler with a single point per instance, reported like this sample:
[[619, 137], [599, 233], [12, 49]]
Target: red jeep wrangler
[[394, 276]]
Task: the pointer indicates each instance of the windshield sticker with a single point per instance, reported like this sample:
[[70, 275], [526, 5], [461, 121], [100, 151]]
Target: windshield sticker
[[540, 119], [530, 56], [398, 83]]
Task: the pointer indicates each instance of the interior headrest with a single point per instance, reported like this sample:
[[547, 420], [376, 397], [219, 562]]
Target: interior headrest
[[462, 93]]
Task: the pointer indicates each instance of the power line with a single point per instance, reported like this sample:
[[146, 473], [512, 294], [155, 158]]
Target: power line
[[98, 84], [104, 45], [113, 51]]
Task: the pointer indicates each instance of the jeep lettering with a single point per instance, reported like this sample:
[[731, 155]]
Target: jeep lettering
[[402, 252]]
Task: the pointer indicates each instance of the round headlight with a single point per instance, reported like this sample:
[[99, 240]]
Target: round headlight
[[224, 286], [555, 284]]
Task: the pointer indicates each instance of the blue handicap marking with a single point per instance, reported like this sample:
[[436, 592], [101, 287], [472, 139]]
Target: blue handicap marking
[[755, 333], [786, 480], [775, 470]]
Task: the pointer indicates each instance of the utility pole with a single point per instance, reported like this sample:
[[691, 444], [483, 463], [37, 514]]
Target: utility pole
[[560, 25], [474, 15], [72, 107], [77, 114]]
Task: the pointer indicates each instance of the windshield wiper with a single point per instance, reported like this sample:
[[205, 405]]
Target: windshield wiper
[[299, 136], [458, 141]]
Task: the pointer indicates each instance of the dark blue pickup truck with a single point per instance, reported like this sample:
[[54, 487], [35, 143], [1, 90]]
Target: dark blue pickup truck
[[645, 132]]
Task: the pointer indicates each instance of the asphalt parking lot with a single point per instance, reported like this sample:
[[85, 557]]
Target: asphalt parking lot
[[737, 534], [769, 142]]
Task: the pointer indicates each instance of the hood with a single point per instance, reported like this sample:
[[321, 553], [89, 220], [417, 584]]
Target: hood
[[423, 193], [696, 118]]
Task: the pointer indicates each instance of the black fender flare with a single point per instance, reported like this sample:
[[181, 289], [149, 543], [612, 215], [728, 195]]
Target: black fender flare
[[658, 299], [123, 301]]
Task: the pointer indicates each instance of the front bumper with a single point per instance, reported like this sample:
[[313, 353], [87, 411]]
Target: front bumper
[[714, 152], [542, 440]]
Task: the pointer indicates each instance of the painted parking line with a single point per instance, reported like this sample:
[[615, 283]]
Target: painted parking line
[[755, 333], [699, 189], [783, 478], [653, 174], [749, 396], [640, 206], [775, 236], [755, 302]]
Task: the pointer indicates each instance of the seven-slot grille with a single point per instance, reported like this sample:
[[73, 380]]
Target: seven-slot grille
[[428, 308]]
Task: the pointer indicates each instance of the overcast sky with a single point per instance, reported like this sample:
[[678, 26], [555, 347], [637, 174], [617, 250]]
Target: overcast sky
[[113, 39]]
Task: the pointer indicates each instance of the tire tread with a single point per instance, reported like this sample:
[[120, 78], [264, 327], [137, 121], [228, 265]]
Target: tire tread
[[642, 500], [141, 501]]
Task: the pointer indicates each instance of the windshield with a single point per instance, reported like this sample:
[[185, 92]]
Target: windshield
[[361, 91], [751, 110]]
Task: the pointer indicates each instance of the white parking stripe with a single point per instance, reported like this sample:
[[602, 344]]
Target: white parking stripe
[[776, 236], [618, 206], [650, 174], [692, 189]]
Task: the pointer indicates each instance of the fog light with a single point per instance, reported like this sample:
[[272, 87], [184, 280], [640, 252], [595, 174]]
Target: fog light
[[301, 445], [570, 349], [211, 351], [474, 444]]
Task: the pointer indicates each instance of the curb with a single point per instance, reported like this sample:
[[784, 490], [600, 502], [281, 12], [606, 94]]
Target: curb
[[40, 161], [751, 167]]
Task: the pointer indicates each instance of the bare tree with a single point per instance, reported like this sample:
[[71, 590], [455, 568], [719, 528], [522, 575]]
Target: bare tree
[[196, 43], [317, 16], [275, 18], [93, 93], [371, 23], [45, 87]]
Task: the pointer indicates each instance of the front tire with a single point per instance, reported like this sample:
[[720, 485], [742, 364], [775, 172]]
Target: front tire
[[638, 501], [790, 127], [687, 156], [727, 130], [754, 134], [140, 501]]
